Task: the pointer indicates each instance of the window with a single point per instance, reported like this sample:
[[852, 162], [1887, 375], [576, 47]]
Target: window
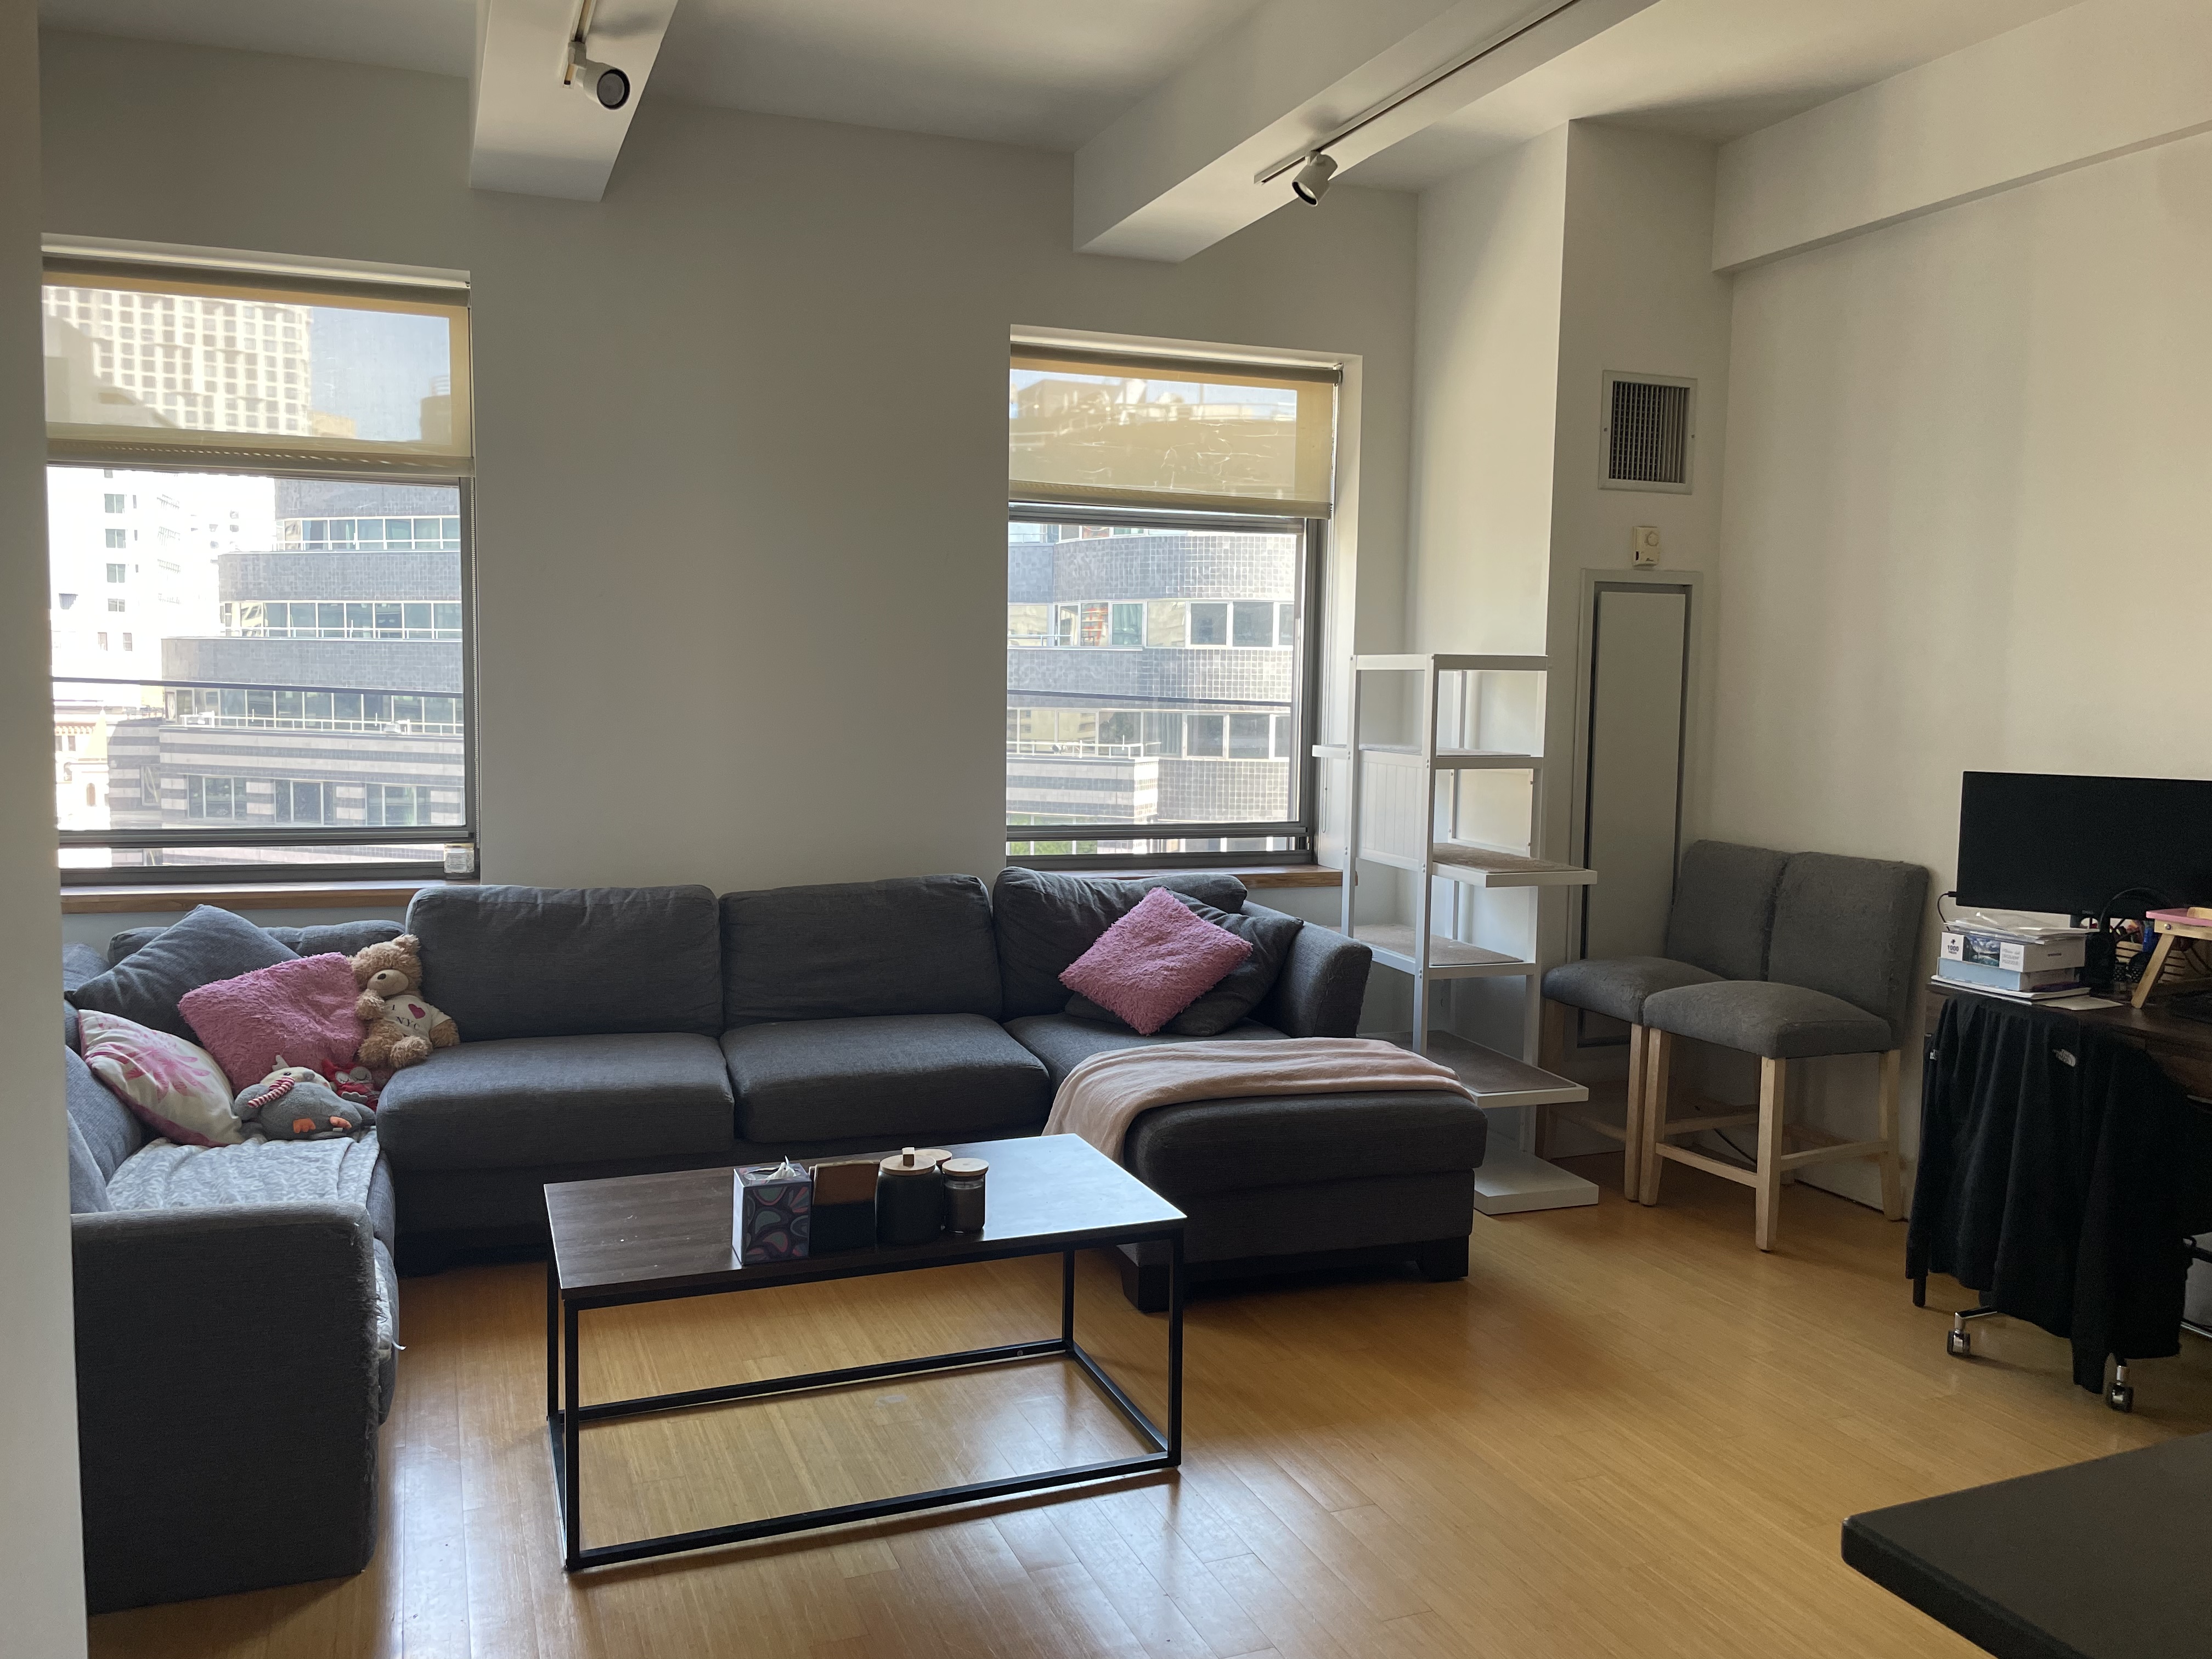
[[301, 708], [1162, 548]]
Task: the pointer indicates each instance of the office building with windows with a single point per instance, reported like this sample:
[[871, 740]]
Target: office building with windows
[[1151, 675], [328, 693]]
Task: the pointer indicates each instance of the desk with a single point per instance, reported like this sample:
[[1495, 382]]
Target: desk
[[2100, 1560], [2182, 1047]]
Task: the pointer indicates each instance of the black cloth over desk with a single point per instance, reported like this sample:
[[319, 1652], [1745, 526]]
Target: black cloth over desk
[[2060, 1172]]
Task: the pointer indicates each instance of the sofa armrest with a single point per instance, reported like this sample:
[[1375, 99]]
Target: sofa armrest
[[1322, 987], [226, 1398]]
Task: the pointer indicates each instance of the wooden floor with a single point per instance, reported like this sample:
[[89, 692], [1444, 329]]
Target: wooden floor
[[1627, 1433]]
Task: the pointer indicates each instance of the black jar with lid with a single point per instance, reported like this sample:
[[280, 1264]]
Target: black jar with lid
[[910, 1196]]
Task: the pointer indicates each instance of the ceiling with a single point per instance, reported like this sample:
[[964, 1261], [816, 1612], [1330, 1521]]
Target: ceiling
[[1179, 113], [1055, 73]]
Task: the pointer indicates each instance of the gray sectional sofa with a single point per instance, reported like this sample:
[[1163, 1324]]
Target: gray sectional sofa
[[608, 1032], [623, 1030], [236, 1351]]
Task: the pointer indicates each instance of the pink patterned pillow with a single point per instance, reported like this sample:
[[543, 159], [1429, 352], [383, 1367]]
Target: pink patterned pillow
[[302, 1009], [1155, 961], [175, 1088]]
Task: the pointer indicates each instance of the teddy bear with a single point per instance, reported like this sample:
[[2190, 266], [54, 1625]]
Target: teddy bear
[[402, 1029], [294, 1103]]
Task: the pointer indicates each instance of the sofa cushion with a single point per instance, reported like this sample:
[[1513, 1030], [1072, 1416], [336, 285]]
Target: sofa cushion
[[87, 1186], [540, 962], [1155, 961], [1045, 920], [557, 1100], [170, 1083], [109, 1130], [1617, 986], [1063, 1042], [1781, 1021], [906, 1078], [921, 944], [207, 945], [1229, 1146], [339, 938], [299, 1012], [1269, 932], [80, 962]]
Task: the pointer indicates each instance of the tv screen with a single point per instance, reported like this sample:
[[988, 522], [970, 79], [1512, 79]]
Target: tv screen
[[2037, 840]]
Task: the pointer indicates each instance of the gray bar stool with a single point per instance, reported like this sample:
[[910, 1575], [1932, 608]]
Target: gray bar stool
[[1840, 967], [1717, 929]]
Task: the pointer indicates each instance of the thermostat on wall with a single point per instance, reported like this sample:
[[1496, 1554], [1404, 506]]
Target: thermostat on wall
[[1643, 546]]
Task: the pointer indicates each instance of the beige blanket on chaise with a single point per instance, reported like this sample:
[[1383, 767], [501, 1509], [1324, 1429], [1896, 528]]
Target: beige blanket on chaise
[[1103, 1097]]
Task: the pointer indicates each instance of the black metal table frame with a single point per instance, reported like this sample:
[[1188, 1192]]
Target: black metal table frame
[[564, 1425]]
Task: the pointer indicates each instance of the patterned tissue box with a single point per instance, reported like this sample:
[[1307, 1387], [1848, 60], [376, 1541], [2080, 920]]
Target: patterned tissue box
[[773, 1209]]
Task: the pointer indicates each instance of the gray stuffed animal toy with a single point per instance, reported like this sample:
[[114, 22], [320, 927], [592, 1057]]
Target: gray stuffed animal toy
[[293, 1104]]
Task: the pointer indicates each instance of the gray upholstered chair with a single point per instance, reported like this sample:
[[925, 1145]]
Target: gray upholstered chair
[[1840, 966], [1716, 930]]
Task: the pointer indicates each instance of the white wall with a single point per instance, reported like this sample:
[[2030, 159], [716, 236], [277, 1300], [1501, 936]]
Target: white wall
[[741, 432], [1966, 492], [41, 1559]]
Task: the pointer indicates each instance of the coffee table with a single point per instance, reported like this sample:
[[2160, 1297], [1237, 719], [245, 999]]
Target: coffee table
[[656, 1237]]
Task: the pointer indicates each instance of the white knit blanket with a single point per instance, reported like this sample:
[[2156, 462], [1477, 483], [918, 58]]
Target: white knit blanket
[[1101, 1097], [163, 1175]]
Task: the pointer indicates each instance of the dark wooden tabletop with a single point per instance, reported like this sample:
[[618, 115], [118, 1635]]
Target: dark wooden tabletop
[[2151, 1028], [2100, 1560], [650, 1233]]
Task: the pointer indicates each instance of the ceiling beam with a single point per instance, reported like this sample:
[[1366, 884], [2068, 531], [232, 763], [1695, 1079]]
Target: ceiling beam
[[1178, 173], [532, 134]]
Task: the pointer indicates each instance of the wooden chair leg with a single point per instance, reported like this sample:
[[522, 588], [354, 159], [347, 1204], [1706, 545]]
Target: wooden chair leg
[[1892, 1171], [1632, 1126], [1658, 1064], [1773, 1092], [1788, 1177]]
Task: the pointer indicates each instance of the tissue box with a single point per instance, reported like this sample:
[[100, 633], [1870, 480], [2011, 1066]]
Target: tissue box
[[773, 1214]]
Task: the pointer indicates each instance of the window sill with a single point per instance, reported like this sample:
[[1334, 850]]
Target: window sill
[[1252, 875], [242, 896]]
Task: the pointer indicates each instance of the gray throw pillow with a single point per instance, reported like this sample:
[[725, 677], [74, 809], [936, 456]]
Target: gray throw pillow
[[1239, 991], [1045, 921], [207, 945]]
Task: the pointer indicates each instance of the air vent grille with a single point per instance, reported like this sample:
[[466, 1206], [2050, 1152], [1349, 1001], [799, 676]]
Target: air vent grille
[[1648, 433]]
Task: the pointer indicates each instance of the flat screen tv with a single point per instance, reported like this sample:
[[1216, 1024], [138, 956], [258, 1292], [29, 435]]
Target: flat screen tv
[[2040, 840]]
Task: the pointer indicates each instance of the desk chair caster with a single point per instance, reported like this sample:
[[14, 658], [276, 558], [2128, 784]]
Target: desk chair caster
[[2121, 1397], [1958, 1344]]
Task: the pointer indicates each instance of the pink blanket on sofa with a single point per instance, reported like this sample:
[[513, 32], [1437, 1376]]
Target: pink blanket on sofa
[[1103, 1097]]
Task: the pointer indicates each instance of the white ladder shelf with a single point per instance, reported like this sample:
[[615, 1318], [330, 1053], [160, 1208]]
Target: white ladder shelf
[[1391, 817]]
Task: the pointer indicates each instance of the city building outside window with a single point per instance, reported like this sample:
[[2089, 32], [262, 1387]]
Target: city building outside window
[[1163, 551], [302, 708]]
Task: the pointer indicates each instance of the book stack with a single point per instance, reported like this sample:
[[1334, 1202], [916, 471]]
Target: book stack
[[2026, 963]]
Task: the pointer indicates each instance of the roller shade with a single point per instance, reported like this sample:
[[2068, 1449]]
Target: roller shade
[[169, 367], [1102, 430]]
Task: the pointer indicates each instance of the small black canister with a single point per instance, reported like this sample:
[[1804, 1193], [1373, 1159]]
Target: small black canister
[[910, 1197], [963, 1193]]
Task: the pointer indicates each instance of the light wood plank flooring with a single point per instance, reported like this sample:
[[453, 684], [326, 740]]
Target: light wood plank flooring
[[1627, 1433]]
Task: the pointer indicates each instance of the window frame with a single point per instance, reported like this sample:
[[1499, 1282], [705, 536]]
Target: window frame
[[1298, 825], [272, 836]]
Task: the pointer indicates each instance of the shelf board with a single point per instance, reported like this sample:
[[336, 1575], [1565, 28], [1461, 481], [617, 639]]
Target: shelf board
[[1509, 1182], [1487, 867], [1498, 1080], [1404, 664], [1448, 958]]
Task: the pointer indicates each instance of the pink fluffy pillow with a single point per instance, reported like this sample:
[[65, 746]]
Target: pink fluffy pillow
[[302, 1009], [1155, 961]]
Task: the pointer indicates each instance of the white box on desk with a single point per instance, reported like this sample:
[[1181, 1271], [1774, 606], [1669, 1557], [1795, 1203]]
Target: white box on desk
[[2013, 955]]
